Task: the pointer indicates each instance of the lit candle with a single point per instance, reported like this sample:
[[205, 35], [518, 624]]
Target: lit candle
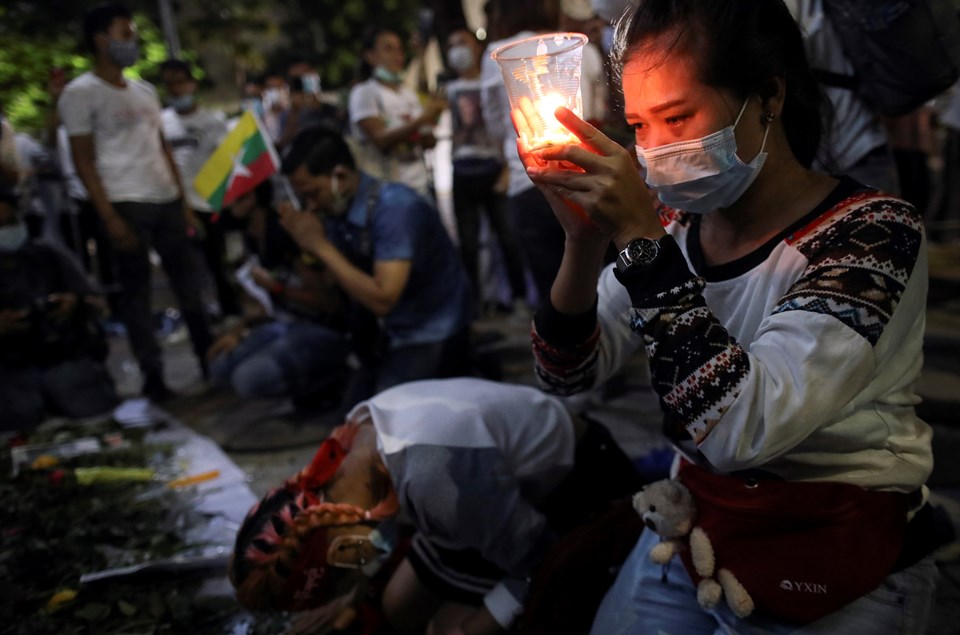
[[542, 73], [554, 132]]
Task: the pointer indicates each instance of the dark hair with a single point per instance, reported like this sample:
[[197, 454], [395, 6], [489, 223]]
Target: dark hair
[[98, 20], [506, 18], [367, 43], [738, 45], [320, 149], [177, 66]]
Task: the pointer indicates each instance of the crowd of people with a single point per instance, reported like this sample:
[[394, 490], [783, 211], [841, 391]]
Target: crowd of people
[[769, 261]]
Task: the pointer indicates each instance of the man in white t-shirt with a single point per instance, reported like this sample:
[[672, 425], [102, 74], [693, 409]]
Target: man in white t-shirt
[[129, 174], [193, 134], [390, 125]]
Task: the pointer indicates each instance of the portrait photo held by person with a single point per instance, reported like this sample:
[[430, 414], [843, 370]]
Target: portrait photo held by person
[[782, 311]]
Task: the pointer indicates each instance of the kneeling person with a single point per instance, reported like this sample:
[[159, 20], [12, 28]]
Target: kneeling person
[[386, 248], [488, 474]]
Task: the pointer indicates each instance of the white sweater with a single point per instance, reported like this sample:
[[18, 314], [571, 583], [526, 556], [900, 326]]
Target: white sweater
[[798, 359]]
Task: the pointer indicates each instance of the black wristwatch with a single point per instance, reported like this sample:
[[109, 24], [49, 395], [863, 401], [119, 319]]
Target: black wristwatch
[[639, 253]]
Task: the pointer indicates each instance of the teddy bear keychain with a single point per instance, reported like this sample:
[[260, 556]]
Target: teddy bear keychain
[[668, 508]]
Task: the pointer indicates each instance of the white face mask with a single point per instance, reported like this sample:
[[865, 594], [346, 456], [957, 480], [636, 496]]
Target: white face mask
[[386, 75], [701, 175], [311, 83], [13, 237], [123, 52], [181, 103], [460, 58]]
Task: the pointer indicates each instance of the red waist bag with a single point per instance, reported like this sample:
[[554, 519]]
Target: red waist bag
[[802, 550]]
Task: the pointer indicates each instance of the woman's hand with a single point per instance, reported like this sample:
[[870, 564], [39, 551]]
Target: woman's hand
[[575, 222], [604, 182]]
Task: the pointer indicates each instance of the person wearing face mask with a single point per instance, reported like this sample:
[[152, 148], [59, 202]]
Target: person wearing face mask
[[478, 170], [389, 124], [782, 312], [193, 134], [484, 475], [120, 155], [540, 237], [51, 346], [294, 353], [388, 251], [308, 105]]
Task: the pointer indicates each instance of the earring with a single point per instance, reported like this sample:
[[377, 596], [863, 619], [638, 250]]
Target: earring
[[768, 117]]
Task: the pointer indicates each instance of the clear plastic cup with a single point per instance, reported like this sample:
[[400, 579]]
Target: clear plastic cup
[[542, 73]]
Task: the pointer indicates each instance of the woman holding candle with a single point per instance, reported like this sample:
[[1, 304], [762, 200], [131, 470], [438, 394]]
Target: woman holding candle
[[782, 311]]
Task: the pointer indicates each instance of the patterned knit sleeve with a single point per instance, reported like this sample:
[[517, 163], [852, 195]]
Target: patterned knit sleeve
[[813, 354]]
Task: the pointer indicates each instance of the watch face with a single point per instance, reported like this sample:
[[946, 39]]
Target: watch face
[[642, 252], [638, 254]]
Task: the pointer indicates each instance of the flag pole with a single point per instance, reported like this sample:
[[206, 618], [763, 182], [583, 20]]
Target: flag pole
[[290, 193], [288, 189]]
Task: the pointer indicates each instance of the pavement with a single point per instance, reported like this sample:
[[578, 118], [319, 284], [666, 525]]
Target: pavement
[[269, 444]]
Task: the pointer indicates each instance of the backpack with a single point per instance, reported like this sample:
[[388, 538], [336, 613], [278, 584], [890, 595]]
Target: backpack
[[904, 52]]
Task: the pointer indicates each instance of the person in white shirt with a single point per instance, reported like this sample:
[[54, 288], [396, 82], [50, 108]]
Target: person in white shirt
[[478, 170], [489, 475], [541, 237], [194, 133], [388, 122], [128, 172]]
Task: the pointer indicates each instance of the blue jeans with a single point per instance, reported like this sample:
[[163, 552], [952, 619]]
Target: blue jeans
[[283, 359], [640, 602]]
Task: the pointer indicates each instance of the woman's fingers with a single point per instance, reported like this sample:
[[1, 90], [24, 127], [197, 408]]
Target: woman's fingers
[[589, 136]]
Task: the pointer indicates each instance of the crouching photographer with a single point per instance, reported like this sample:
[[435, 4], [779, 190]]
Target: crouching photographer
[[52, 346]]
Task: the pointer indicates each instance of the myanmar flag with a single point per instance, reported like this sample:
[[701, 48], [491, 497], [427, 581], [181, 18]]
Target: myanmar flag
[[244, 159]]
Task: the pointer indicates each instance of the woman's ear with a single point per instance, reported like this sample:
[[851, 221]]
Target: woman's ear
[[772, 95]]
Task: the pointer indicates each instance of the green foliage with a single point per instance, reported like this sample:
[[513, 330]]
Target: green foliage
[[25, 65], [37, 36], [327, 33]]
